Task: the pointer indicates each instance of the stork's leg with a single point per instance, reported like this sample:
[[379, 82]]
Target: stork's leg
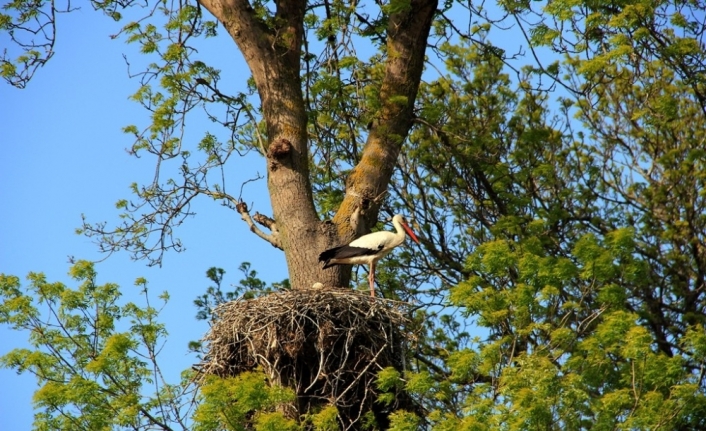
[[371, 279]]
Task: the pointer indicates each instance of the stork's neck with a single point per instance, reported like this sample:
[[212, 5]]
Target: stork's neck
[[400, 233]]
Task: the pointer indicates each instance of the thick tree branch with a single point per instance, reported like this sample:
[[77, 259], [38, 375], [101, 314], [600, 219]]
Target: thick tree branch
[[407, 35]]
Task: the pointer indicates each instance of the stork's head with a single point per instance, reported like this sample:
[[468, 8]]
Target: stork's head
[[403, 222]]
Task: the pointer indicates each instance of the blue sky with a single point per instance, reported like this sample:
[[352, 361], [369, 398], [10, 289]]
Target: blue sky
[[62, 154]]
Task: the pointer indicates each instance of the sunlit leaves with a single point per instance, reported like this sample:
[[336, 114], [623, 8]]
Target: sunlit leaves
[[401, 420], [94, 371], [325, 420], [575, 244], [389, 380], [543, 35], [29, 26], [229, 404]]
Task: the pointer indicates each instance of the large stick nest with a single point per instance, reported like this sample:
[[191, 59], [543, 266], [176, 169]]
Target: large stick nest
[[327, 345]]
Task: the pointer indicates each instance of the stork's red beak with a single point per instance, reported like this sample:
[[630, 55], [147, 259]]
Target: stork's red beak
[[410, 233]]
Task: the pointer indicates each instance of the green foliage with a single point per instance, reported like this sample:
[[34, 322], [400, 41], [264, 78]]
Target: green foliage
[[389, 382], [567, 232], [93, 372], [242, 402], [325, 420], [96, 373], [34, 48], [401, 420]]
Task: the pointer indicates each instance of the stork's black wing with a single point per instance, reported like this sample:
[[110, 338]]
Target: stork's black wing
[[344, 252]]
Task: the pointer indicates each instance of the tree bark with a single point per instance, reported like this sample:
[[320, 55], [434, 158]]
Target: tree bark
[[272, 50]]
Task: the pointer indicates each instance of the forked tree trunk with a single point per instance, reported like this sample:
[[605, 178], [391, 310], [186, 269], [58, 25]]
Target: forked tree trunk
[[273, 55]]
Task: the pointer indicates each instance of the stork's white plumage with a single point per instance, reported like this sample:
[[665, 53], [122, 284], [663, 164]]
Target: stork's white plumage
[[368, 249]]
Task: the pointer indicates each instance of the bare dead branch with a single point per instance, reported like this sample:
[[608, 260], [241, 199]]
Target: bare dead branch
[[273, 238]]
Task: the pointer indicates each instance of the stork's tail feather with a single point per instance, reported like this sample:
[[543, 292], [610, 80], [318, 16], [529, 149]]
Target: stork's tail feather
[[327, 255]]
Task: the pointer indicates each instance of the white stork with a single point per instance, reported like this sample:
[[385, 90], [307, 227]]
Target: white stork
[[368, 249]]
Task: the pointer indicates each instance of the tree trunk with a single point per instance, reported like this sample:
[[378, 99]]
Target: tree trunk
[[272, 51]]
